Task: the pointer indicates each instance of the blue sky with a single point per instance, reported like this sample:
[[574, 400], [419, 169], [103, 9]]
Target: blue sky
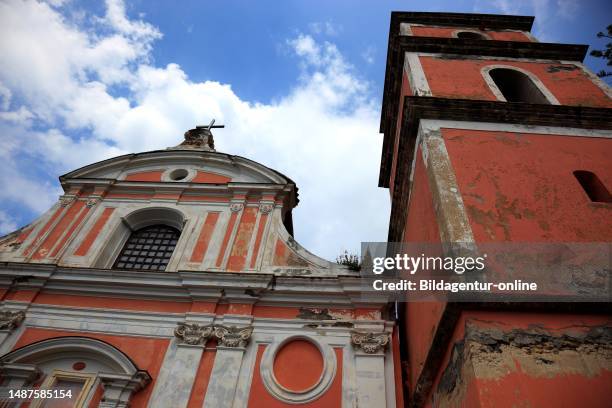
[[298, 84]]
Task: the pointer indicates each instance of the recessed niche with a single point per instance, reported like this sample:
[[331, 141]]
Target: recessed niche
[[314, 360], [303, 354]]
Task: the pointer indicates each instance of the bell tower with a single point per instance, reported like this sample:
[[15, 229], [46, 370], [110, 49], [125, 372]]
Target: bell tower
[[493, 137]]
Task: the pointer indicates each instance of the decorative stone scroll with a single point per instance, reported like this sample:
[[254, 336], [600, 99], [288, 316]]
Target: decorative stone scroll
[[291, 243], [370, 343], [193, 334], [196, 335], [65, 201], [233, 336], [10, 320], [91, 202], [266, 208], [235, 207]]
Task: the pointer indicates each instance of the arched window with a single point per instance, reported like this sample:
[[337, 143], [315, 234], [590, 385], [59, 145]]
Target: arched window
[[149, 248], [593, 186], [75, 367], [470, 35], [143, 240], [516, 86]]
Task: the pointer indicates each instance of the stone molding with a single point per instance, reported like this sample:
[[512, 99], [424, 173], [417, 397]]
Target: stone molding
[[369, 342], [227, 336], [119, 388], [21, 374], [10, 320], [326, 378]]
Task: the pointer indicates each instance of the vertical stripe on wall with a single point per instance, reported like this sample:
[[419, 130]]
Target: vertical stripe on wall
[[204, 238], [240, 247], [228, 234], [42, 232], [58, 230], [70, 232], [94, 232], [262, 225]]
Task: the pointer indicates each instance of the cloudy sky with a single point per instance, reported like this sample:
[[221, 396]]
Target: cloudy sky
[[297, 84]]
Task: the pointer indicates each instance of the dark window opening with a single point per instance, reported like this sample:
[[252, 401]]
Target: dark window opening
[[592, 185], [469, 35], [148, 249], [516, 86], [179, 174]]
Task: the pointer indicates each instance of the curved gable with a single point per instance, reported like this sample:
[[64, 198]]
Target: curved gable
[[180, 166]]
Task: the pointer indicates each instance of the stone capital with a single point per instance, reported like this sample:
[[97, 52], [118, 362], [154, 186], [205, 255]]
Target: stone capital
[[370, 343], [266, 208], [10, 320], [66, 200], [236, 207], [193, 333], [233, 336]]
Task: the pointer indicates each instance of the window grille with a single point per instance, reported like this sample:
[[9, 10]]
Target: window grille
[[148, 248]]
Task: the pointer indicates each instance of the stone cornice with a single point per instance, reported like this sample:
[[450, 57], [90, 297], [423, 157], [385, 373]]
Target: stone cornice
[[164, 325], [187, 286], [484, 21]]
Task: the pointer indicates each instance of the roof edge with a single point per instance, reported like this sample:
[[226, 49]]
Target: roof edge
[[491, 21]]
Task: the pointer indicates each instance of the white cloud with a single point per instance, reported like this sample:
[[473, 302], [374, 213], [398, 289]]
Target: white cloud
[[116, 18], [323, 133], [567, 8], [7, 223], [546, 12], [325, 27], [369, 55]]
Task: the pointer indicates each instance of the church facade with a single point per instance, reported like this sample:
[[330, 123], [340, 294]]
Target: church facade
[[171, 278]]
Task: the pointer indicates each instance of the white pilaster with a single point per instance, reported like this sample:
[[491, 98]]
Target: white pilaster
[[224, 377], [370, 373], [177, 375]]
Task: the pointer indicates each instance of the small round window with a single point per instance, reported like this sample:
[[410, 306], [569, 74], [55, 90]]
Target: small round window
[[178, 174], [470, 35]]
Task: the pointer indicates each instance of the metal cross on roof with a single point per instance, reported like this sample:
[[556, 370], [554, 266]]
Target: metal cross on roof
[[211, 125]]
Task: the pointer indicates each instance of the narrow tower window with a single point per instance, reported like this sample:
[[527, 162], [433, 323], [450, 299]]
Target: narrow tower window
[[148, 248], [470, 35], [516, 86], [592, 185]]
